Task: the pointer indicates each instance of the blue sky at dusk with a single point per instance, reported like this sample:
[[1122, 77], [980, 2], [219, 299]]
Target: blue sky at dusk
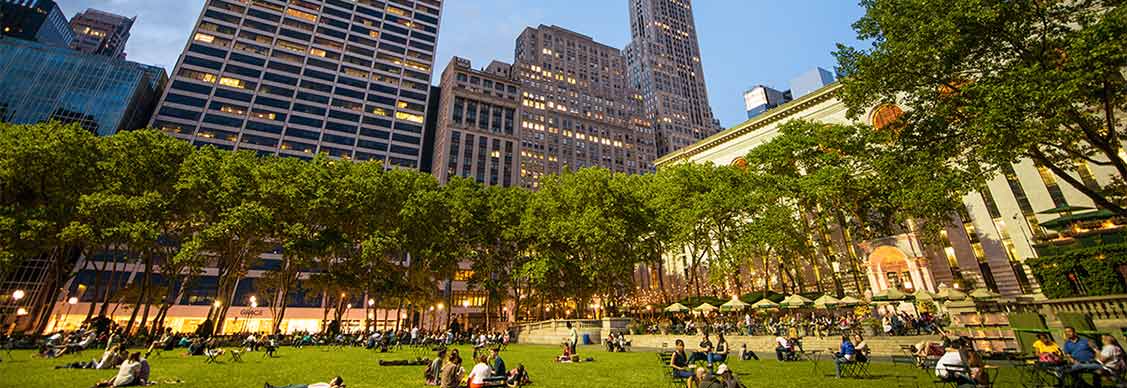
[[743, 42]]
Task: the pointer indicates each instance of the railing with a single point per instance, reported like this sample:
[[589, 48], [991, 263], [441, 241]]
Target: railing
[[559, 324], [1098, 307]]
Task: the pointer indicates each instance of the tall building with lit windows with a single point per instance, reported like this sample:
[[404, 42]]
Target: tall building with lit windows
[[349, 78], [101, 33], [665, 65], [577, 107], [476, 134]]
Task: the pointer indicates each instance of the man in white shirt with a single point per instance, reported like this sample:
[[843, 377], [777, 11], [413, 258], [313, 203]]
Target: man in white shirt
[[414, 335], [783, 349], [953, 358]]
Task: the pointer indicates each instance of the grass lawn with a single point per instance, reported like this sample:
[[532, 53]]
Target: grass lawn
[[360, 370]]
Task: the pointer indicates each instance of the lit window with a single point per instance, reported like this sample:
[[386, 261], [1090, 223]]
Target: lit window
[[201, 37], [301, 15], [397, 11], [232, 109], [264, 115], [232, 82], [317, 52], [409, 117]]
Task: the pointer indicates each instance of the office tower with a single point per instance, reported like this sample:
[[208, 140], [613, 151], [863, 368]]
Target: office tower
[[476, 134], [810, 81], [38, 20], [665, 65], [577, 107], [760, 99], [346, 78], [40, 82], [101, 33]]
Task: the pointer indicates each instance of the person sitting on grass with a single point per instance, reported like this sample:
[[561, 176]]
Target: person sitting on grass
[[720, 353], [498, 363], [566, 357], [434, 370], [746, 354], [111, 358], [336, 382], [128, 375], [846, 355], [727, 378], [480, 372], [702, 379], [518, 377], [679, 362], [452, 371]]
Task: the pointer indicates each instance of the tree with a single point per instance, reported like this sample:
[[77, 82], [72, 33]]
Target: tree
[[236, 224], [987, 83], [45, 169]]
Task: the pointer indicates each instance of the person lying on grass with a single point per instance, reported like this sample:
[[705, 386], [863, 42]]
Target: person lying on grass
[[336, 382]]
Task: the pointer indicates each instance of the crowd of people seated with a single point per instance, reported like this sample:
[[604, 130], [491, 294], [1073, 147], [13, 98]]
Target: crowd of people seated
[[489, 370], [818, 324]]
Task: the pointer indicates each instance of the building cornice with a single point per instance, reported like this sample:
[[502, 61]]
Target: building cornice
[[771, 116]]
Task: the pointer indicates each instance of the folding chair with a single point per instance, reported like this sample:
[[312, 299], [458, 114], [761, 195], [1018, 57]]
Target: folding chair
[[210, 357], [905, 362], [236, 356], [952, 380]]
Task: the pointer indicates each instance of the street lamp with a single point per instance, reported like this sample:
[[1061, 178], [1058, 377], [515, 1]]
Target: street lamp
[[17, 295], [21, 312]]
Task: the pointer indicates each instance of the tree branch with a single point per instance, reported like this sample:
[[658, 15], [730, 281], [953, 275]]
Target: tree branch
[[1096, 196]]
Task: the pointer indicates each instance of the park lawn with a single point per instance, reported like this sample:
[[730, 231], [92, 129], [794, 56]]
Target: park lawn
[[360, 370]]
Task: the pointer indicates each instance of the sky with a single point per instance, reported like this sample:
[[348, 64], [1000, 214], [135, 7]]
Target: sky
[[743, 42]]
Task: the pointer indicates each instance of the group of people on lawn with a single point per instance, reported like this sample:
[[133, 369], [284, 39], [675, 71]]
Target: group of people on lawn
[[446, 371], [1081, 356], [700, 377]]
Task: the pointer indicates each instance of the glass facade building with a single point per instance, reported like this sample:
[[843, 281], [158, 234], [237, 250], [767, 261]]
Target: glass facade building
[[294, 78], [38, 20], [40, 82]]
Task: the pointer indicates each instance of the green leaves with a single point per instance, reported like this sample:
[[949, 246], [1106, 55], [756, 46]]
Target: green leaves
[[989, 82]]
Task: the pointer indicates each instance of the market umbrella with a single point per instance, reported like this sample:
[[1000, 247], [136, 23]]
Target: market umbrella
[[849, 301], [890, 295], [1065, 221], [826, 301], [947, 293], [705, 308], [795, 301], [983, 294], [733, 305], [922, 294], [765, 304], [676, 308]]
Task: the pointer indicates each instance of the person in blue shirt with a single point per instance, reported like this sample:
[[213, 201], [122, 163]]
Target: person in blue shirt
[[847, 355], [1082, 354], [498, 363]]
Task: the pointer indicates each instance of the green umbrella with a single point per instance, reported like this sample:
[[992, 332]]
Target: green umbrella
[[795, 301], [826, 301], [890, 294], [849, 301], [765, 304], [947, 293], [705, 308], [1065, 221], [733, 305], [983, 294], [922, 294], [676, 308]]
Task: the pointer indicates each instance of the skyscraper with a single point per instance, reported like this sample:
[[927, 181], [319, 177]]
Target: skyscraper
[[577, 107], [101, 33], [810, 81], [347, 78], [760, 99], [38, 20], [41, 82], [476, 135], [665, 65]]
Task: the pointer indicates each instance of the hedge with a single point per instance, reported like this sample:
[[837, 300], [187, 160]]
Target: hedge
[[1088, 271]]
